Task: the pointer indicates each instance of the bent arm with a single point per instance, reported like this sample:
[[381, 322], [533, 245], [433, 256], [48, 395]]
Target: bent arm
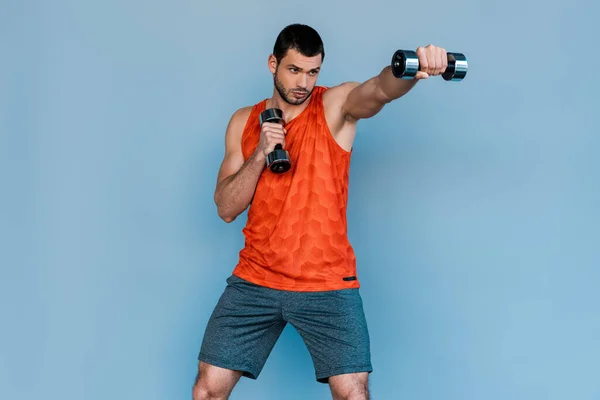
[[236, 181], [365, 100]]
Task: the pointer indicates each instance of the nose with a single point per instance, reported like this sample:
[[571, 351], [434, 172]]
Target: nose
[[302, 81]]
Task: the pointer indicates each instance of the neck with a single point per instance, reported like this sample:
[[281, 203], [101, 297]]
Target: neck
[[290, 111]]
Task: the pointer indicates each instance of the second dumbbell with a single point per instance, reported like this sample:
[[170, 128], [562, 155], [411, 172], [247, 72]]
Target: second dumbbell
[[405, 65], [278, 161]]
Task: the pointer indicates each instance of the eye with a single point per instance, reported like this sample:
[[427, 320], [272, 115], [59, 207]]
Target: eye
[[294, 70]]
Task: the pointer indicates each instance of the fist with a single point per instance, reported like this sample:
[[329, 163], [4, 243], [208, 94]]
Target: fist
[[271, 134], [433, 60]]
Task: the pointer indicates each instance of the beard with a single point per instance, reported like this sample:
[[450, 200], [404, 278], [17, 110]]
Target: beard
[[287, 95]]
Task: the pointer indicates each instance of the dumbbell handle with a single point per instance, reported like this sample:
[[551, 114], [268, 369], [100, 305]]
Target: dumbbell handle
[[405, 64], [278, 160], [272, 115]]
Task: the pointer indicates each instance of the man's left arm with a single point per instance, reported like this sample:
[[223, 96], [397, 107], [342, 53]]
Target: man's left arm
[[366, 99]]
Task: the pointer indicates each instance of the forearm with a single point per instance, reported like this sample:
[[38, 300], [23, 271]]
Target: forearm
[[368, 98], [234, 193], [392, 88]]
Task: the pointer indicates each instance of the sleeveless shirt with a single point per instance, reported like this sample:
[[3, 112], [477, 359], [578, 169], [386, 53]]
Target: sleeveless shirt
[[296, 231]]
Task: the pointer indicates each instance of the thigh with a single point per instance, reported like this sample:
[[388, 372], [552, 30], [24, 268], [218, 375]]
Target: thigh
[[334, 328], [243, 328]]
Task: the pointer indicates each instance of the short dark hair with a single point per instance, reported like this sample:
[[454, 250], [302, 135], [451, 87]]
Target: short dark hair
[[301, 38]]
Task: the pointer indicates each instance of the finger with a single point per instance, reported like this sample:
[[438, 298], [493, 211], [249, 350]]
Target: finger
[[444, 57], [272, 125], [440, 62], [421, 75], [275, 129], [432, 60], [275, 141], [275, 134], [422, 56]]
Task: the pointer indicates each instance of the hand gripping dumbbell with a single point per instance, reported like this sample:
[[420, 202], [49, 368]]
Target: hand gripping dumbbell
[[405, 65], [278, 161]]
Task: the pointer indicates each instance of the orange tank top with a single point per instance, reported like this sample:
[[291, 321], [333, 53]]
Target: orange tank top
[[296, 232]]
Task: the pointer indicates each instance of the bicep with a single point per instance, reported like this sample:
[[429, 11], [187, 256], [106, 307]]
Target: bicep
[[233, 158], [231, 164], [364, 100]]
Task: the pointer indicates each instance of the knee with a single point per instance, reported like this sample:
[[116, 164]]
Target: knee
[[213, 383], [356, 391], [205, 391]]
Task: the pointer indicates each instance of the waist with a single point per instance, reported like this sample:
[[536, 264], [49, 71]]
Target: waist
[[299, 263]]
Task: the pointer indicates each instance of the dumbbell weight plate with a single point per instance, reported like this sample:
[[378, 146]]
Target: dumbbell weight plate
[[405, 64], [278, 160], [271, 115], [457, 67]]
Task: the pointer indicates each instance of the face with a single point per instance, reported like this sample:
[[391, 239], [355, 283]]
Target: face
[[295, 76]]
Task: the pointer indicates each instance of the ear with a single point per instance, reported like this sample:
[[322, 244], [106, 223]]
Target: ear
[[272, 63]]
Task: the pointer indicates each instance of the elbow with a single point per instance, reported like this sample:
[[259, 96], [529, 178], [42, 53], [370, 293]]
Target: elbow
[[225, 215], [228, 218], [223, 212]]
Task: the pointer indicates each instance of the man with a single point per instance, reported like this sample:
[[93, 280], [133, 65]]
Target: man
[[297, 265]]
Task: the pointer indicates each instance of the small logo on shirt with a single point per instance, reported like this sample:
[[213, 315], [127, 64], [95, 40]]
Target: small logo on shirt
[[349, 278]]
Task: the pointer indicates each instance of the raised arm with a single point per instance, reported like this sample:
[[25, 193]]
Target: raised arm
[[366, 99]]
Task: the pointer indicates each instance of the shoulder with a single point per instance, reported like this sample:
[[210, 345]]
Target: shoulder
[[242, 114], [335, 100], [337, 95], [341, 90], [238, 120]]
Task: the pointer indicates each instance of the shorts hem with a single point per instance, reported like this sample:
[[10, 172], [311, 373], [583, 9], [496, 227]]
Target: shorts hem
[[323, 377], [247, 372]]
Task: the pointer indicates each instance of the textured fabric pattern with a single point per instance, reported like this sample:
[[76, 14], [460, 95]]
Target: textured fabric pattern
[[248, 319], [296, 233]]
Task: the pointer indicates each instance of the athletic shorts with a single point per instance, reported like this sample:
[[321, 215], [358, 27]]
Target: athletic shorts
[[248, 319]]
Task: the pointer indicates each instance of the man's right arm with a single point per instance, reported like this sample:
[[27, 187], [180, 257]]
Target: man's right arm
[[236, 181]]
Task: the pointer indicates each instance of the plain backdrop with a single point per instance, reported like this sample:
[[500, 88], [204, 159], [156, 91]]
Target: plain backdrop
[[473, 211]]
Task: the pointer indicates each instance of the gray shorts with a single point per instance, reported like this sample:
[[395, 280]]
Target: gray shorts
[[248, 319]]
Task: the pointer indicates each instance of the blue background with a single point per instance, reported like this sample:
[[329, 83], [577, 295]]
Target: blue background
[[474, 206]]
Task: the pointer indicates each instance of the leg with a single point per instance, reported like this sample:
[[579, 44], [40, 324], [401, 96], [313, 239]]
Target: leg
[[350, 386], [214, 383], [239, 336], [334, 329]]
